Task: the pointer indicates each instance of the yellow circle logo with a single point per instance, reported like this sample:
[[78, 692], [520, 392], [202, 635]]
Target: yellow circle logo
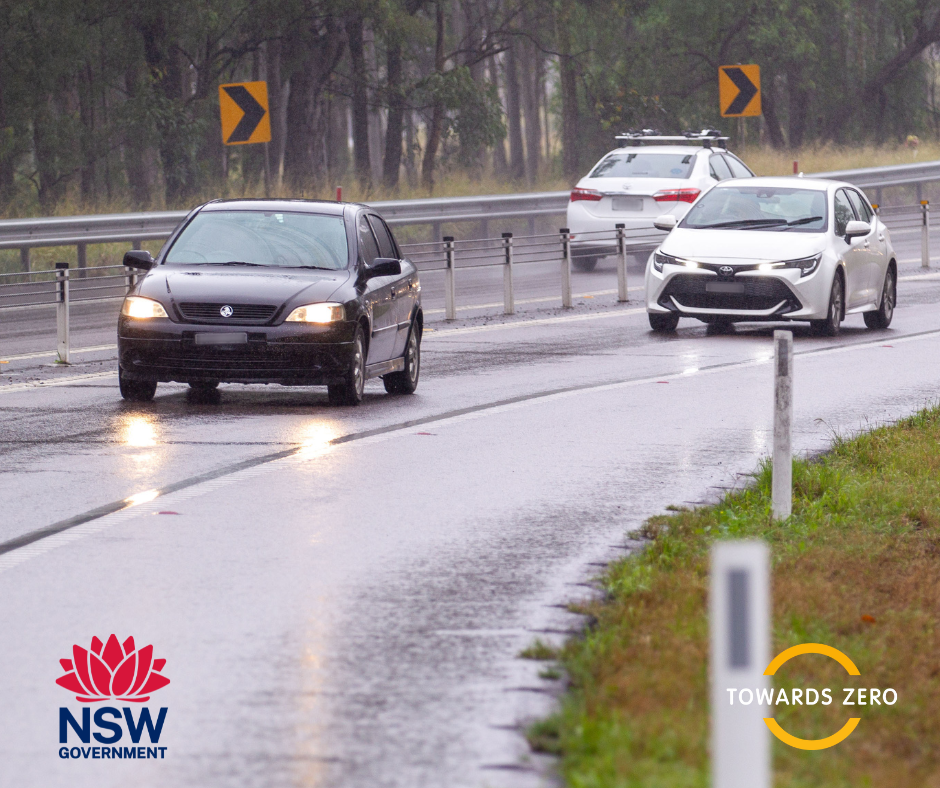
[[812, 744]]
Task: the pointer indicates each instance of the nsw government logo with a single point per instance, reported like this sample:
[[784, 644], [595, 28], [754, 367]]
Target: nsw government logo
[[119, 673]]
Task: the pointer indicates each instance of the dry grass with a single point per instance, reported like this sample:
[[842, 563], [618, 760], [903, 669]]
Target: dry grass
[[767, 161], [856, 567]]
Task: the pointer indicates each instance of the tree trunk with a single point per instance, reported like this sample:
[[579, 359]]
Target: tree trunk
[[500, 162], [771, 121], [139, 161], [799, 99], [513, 114], [530, 108], [391, 163], [569, 94], [360, 100], [437, 114]]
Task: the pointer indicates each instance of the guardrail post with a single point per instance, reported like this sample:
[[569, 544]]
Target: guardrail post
[[81, 253], [62, 310], [509, 300], [782, 484], [24, 258], [136, 244], [565, 267], [130, 278], [739, 629], [622, 292], [450, 301], [925, 234]]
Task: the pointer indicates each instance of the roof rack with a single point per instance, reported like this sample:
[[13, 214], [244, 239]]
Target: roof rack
[[706, 138]]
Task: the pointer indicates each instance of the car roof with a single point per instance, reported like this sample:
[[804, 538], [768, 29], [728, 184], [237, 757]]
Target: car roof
[[785, 181], [330, 207], [663, 149]]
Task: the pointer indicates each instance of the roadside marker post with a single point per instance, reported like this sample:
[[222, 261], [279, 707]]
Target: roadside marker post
[[622, 291], [450, 301], [925, 234], [565, 267], [62, 310], [782, 484], [739, 616], [509, 299]]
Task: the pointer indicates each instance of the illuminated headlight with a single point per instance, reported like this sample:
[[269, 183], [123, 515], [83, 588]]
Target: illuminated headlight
[[317, 313], [142, 308], [806, 264], [660, 259]]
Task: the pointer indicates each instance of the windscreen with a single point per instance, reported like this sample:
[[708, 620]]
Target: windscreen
[[645, 165], [268, 238], [759, 208]]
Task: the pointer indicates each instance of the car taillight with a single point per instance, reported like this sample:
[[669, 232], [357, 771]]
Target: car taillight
[[586, 194], [677, 195]]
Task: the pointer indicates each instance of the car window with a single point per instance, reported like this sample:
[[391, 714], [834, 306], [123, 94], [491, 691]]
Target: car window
[[386, 245], [738, 170], [285, 240], [718, 168], [860, 204], [368, 248], [740, 206], [645, 165], [843, 212]]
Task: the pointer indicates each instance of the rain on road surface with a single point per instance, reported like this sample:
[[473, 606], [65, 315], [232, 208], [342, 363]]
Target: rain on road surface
[[340, 594]]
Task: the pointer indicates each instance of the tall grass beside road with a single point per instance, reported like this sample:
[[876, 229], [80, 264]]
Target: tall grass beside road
[[856, 567], [769, 161]]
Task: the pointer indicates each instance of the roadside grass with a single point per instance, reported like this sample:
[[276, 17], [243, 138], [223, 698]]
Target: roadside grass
[[856, 567], [826, 158]]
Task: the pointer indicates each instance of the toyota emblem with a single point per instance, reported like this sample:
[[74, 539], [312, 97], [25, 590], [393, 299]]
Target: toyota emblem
[[726, 270], [226, 311]]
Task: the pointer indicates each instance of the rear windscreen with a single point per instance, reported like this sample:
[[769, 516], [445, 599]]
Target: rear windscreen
[[645, 165]]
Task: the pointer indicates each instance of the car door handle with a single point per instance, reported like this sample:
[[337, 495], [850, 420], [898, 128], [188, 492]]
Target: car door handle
[[393, 292], [881, 238]]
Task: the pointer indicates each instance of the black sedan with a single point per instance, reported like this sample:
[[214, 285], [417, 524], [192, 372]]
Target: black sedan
[[295, 292]]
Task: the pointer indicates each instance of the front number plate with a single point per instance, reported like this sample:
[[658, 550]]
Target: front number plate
[[222, 339], [724, 287]]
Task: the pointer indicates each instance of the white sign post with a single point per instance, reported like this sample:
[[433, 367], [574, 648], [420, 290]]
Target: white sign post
[[739, 618], [782, 483]]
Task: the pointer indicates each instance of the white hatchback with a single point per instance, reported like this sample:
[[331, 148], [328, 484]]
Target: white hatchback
[[634, 185], [774, 249]]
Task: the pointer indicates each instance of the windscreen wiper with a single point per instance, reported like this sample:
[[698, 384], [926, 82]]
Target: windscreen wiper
[[241, 262], [749, 223], [804, 220], [315, 267]]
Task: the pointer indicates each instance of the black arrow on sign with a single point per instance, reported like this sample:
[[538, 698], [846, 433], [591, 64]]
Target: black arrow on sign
[[746, 91], [254, 112]]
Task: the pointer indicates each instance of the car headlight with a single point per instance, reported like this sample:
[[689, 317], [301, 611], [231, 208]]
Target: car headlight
[[806, 264], [660, 259], [142, 308], [318, 313]]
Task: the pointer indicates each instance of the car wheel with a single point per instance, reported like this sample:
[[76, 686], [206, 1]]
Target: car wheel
[[349, 392], [584, 263], [720, 325], [406, 381], [830, 326], [136, 390], [881, 317], [660, 322], [204, 385]]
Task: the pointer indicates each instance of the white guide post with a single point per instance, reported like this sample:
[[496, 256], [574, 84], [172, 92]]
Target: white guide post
[[509, 300], [622, 291], [565, 268], [450, 297], [739, 628], [62, 311], [782, 485]]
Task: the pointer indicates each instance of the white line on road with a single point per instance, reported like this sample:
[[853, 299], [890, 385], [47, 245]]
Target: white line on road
[[42, 384], [529, 301], [48, 354]]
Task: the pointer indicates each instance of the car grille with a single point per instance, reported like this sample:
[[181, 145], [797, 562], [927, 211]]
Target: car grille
[[760, 293], [244, 314]]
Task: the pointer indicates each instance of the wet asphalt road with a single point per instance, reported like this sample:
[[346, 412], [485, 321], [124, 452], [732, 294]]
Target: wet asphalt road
[[340, 593]]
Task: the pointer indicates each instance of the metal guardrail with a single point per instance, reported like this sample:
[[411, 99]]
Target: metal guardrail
[[80, 231]]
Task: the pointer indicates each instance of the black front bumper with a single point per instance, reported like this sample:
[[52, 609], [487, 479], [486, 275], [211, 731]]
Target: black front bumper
[[292, 355]]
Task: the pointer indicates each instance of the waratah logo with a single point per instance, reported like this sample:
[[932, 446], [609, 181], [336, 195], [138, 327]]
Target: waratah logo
[[112, 670]]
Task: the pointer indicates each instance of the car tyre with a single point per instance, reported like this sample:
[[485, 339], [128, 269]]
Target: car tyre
[[663, 322], [204, 385], [406, 381], [136, 390], [349, 392], [881, 317], [584, 263], [720, 325], [830, 326]]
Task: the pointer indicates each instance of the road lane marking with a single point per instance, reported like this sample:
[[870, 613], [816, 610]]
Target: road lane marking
[[30, 545], [532, 300], [541, 322], [53, 354], [43, 384]]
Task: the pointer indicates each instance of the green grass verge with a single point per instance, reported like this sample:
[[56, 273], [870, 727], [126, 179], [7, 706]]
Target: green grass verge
[[857, 567]]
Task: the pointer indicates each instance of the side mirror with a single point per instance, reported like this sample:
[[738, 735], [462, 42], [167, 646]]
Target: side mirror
[[138, 258], [383, 266], [856, 229], [666, 222]]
